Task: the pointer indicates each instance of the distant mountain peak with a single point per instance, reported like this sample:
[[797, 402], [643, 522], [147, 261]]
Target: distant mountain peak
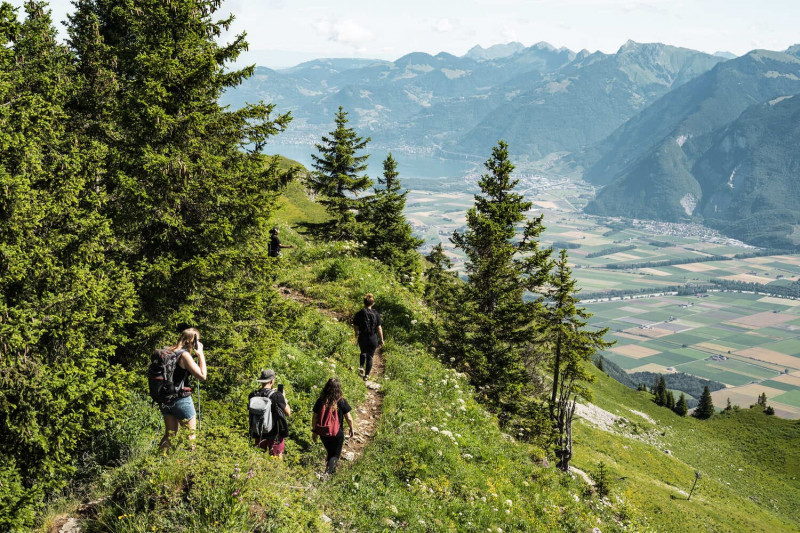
[[794, 50], [495, 51], [725, 55]]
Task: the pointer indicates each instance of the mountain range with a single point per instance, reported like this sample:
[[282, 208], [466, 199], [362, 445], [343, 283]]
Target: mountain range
[[720, 149], [665, 133], [540, 99]]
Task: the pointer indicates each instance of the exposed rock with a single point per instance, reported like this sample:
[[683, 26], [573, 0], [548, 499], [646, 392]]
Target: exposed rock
[[349, 456], [372, 385]]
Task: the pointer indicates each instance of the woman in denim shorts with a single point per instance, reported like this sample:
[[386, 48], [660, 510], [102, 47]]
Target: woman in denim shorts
[[181, 412]]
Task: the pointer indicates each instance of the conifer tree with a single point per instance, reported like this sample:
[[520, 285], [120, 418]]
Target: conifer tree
[[762, 400], [388, 235], [337, 177], [661, 391], [573, 346], [62, 300], [670, 400], [705, 408], [192, 193], [440, 282], [494, 325], [681, 408]]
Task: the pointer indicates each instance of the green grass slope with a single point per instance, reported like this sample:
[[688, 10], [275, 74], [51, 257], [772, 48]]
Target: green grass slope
[[749, 463], [438, 460]]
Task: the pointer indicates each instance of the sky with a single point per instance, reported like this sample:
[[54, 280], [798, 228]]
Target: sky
[[283, 33]]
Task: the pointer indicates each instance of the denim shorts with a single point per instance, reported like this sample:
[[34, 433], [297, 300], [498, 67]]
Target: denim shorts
[[182, 409]]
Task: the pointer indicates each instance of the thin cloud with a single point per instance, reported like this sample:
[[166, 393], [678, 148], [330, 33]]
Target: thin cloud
[[347, 32], [443, 26]]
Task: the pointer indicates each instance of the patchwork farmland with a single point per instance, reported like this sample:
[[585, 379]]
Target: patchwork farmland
[[749, 342]]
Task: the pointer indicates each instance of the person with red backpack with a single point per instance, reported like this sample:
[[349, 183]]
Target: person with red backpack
[[330, 412], [168, 374], [369, 334]]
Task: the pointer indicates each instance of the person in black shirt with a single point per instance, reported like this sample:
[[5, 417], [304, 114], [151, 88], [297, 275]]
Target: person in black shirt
[[332, 395], [272, 442], [274, 248], [369, 334]]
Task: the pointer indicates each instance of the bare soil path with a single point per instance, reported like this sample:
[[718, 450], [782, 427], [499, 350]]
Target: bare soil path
[[368, 414]]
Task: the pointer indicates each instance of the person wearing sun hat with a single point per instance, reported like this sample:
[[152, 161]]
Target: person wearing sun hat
[[274, 441]]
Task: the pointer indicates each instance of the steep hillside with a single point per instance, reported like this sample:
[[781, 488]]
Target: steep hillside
[[691, 111], [750, 175], [738, 174], [748, 462]]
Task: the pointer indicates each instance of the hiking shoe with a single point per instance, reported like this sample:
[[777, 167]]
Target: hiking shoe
[[361, 371]]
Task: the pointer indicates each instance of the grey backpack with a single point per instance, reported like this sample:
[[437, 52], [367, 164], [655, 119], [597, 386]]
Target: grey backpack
[[261, 421]]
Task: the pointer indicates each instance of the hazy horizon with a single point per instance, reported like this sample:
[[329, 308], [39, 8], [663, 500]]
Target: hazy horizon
[[311, 29]]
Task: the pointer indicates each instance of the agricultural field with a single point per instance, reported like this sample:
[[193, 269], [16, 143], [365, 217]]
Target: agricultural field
[[749, 342]]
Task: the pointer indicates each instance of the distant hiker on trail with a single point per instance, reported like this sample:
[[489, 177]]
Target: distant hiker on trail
[[330, 411], [274, 248], [268, 412], [168, 375], [369, 334]]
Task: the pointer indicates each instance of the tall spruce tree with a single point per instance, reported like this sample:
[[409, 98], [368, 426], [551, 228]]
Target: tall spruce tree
[[681, 408], [705, 408], [440, 282], [337, 177], [493, 329], [63, 301], [573, 346], [387, 234], [192, 195]]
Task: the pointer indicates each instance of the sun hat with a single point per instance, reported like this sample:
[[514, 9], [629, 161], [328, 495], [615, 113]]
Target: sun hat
[[266, 376]]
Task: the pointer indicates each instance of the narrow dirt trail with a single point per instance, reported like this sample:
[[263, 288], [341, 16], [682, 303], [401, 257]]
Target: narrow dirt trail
[[366, 415]]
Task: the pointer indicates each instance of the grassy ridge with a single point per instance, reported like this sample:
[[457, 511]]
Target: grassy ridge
[[749, 463]]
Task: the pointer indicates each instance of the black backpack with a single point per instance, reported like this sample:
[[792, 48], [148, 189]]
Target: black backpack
[[370, 322], [163, 390]]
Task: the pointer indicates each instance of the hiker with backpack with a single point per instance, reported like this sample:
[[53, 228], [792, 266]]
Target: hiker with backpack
[[268, 411], [330, 412], [369, 334], [274, 247], [168, 377]]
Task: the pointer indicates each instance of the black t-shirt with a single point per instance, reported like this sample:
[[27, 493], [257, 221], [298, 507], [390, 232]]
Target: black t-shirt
[[274, 246], [360, 320], [342, 408]]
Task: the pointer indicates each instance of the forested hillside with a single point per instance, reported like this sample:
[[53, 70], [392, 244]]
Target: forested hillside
[[136, 206]]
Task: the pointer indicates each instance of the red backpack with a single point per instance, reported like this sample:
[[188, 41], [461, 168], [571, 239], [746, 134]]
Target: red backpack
[[327, 422]]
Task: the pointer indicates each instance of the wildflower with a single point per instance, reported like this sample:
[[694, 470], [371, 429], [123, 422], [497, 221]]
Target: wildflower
[[236, 492], [251, 473], [434, 429], [508, 503]]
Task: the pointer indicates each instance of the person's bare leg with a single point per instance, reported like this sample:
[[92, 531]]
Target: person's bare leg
[[191, 427], [171, 425]]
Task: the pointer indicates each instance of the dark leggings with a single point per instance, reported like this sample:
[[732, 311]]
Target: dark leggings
[[368, 347], [333, 445]]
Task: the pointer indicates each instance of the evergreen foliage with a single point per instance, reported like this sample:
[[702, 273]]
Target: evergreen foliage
[[191, 205], [63, 299], [670, 401], [492, 333], [681, 408], [573, 345], [387, 234], [133, 204], [705, 409], [336, 177], [441, 284]]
